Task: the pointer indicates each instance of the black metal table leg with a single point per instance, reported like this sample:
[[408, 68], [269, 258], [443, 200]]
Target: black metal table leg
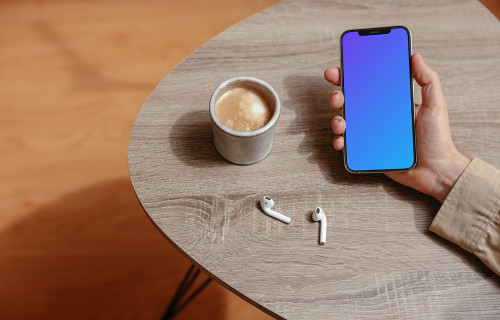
[[178, 303]]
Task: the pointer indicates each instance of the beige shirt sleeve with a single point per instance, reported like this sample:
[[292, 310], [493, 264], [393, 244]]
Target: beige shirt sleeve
[[470, 217]]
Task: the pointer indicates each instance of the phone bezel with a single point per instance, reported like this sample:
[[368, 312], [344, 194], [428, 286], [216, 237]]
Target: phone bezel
[[375, 31]]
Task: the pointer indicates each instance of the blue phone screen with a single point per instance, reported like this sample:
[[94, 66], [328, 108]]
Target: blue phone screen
[[378, 101]]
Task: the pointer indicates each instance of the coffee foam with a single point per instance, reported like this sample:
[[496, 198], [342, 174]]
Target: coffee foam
[[243, 109]]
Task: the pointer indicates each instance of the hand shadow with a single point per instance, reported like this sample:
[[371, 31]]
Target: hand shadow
[[309, 97]]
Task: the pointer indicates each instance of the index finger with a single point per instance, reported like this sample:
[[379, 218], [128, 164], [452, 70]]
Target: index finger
[[332, 75]]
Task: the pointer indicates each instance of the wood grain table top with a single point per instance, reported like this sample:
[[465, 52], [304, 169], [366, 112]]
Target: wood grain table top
[[380, 260]]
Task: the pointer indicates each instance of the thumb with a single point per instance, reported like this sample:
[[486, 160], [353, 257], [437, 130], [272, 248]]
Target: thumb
[[428, 79]]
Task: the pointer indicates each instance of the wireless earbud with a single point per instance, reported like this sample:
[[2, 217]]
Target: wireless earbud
[[267, 203], [319, 215]]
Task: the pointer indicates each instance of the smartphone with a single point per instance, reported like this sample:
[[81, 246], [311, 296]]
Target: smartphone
[[378, 100]]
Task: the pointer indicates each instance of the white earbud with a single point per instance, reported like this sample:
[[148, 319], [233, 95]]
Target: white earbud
[[267, 203], [319, 215]]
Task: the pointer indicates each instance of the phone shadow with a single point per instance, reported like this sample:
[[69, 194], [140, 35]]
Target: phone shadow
[[308, 98]]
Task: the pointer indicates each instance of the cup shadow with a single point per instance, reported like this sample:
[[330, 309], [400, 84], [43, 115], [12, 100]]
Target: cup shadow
[[94, 254], [191, 141]]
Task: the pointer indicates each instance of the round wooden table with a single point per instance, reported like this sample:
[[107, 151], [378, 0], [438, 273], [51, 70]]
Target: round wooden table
[[380, 260]]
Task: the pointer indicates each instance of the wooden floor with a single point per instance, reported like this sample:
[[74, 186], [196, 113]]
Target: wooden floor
[[74, 241]]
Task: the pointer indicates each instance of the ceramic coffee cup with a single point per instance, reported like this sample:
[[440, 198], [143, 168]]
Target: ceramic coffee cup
[[241, 147]]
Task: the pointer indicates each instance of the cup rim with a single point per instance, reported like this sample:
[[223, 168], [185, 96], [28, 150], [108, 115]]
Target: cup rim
[[266, 127]]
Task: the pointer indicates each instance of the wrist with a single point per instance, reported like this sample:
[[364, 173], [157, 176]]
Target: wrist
[[448, 176]]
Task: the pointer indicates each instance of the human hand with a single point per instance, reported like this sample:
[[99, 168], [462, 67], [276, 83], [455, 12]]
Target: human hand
[[439, 163]]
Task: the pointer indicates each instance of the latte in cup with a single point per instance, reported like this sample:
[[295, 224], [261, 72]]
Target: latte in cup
[[243, 109], [244, 112]]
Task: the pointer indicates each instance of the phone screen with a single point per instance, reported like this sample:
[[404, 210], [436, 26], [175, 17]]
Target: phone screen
[[378, 92]]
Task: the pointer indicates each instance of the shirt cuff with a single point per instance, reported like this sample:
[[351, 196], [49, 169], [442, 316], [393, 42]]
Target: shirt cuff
[[466, 214]]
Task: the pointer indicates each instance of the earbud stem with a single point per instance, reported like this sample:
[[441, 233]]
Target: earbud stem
[[322, 236], [278, 216]]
